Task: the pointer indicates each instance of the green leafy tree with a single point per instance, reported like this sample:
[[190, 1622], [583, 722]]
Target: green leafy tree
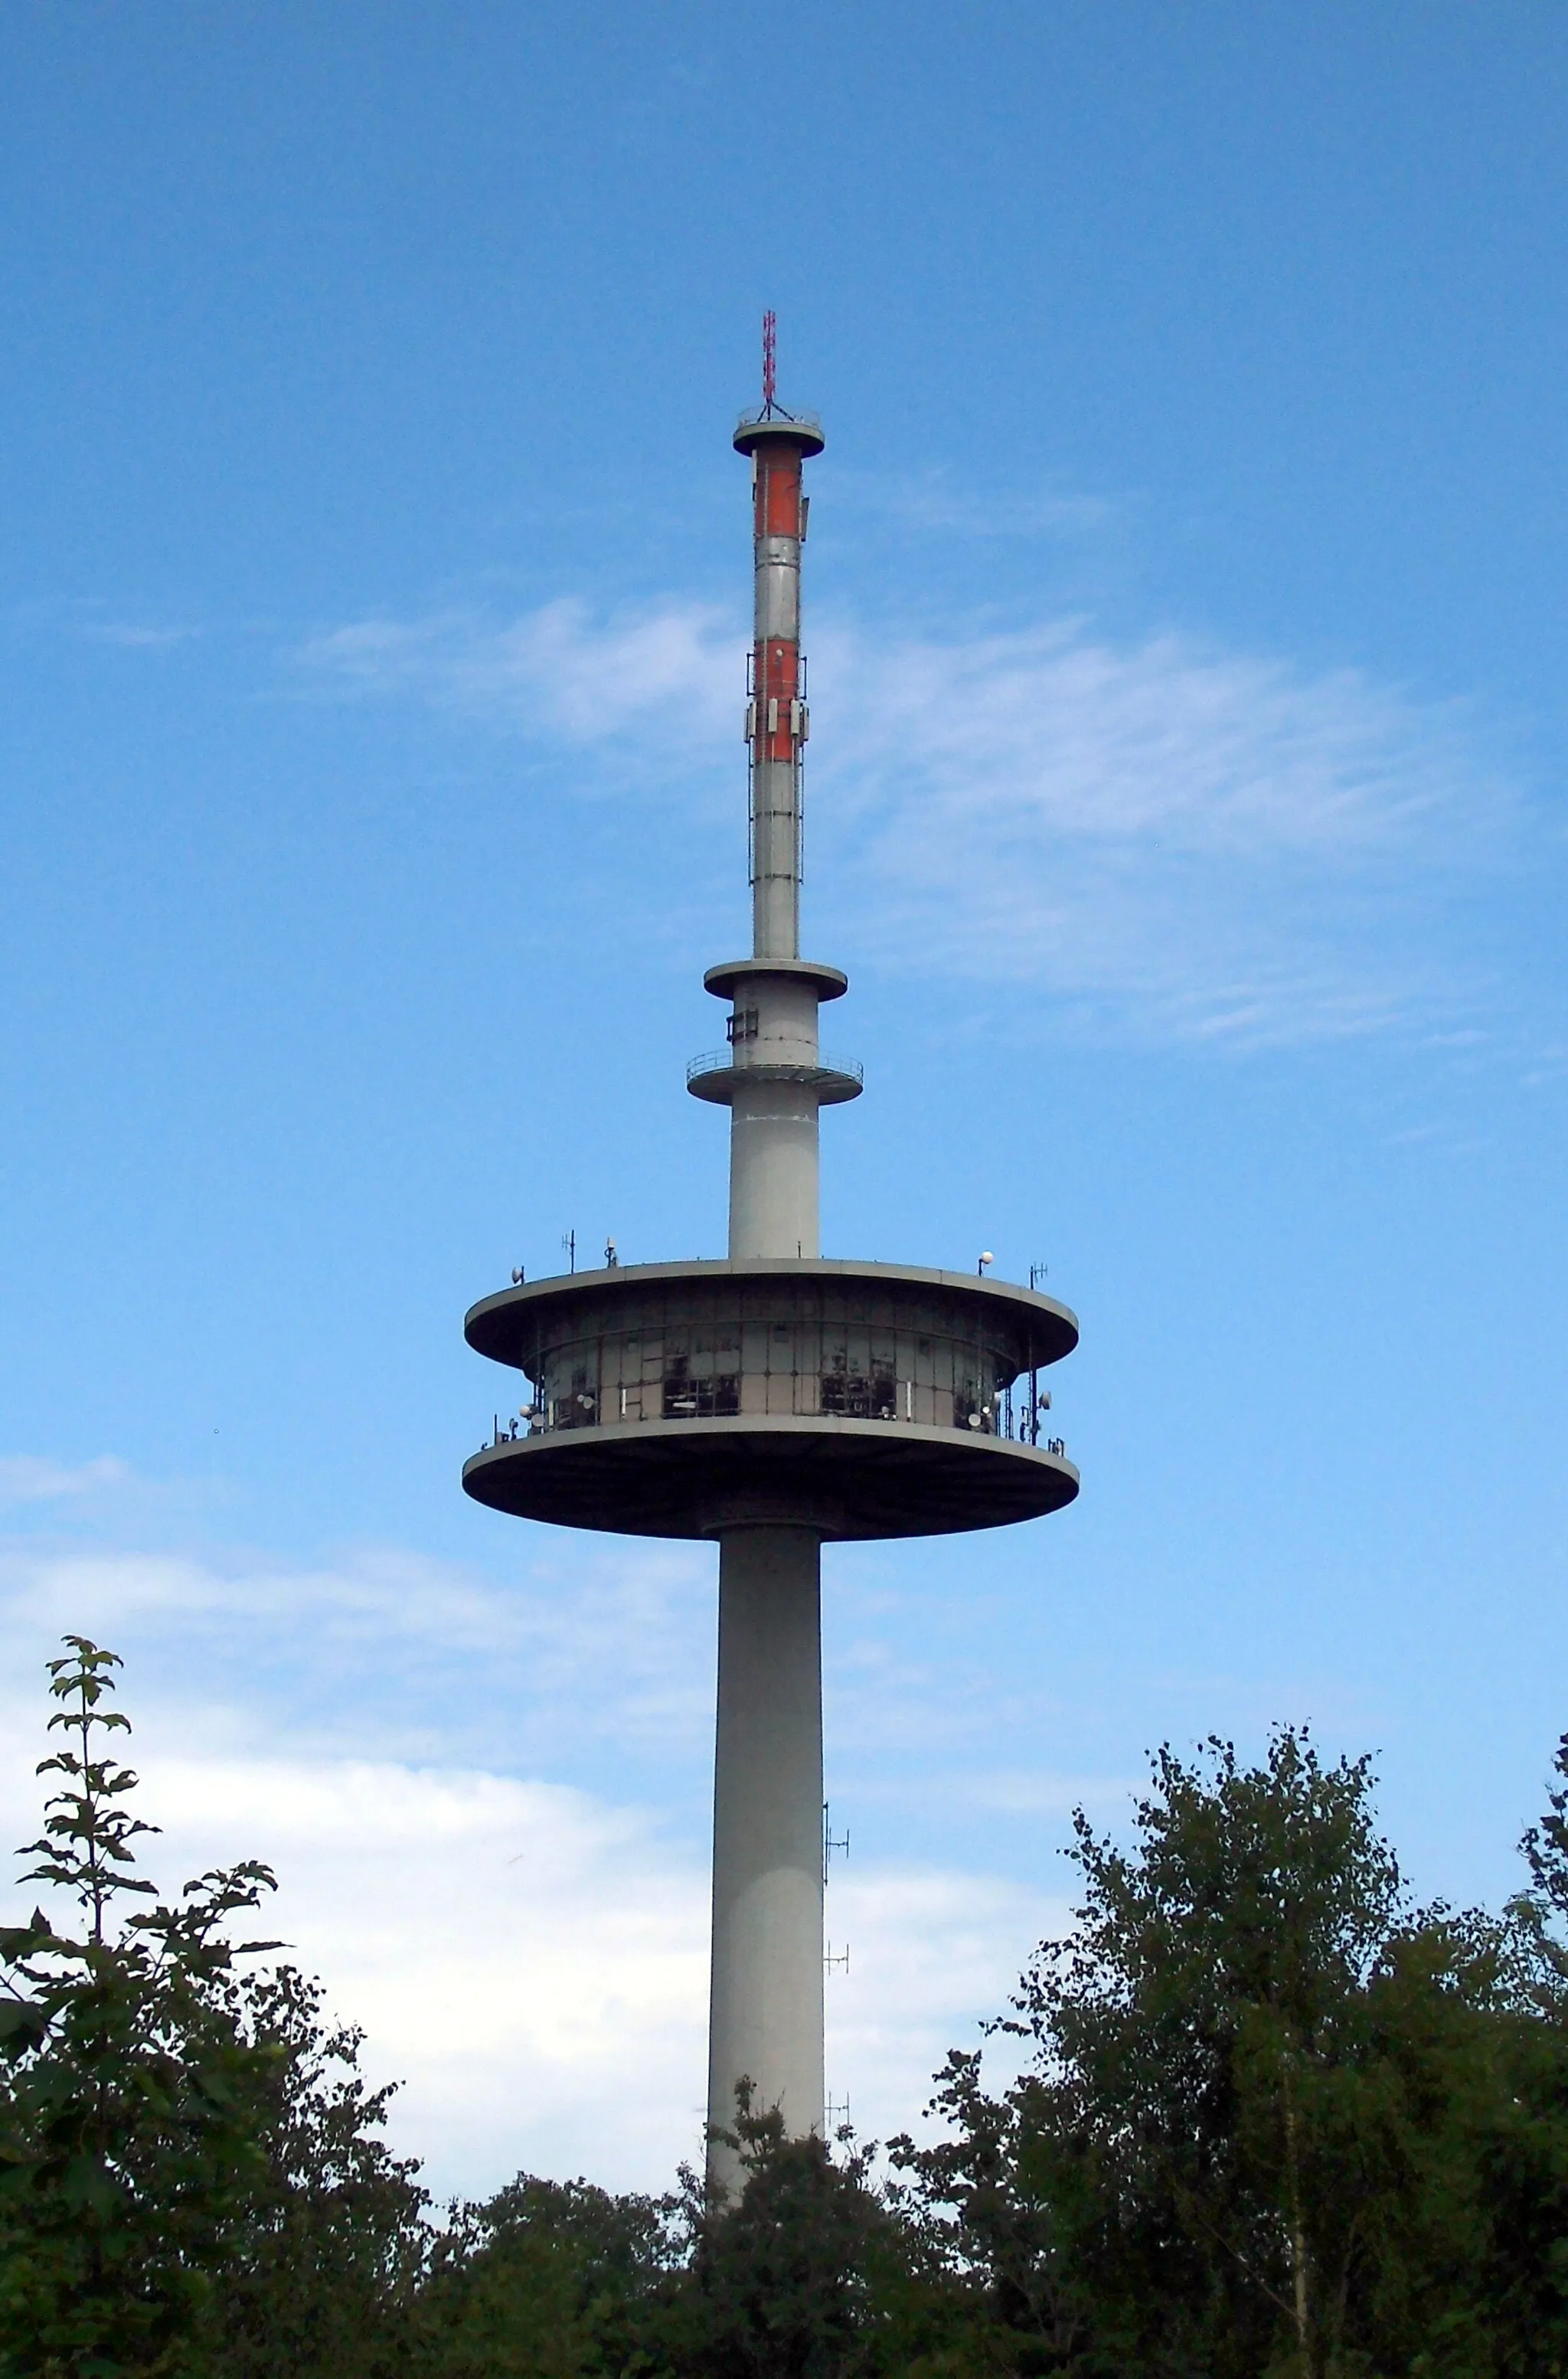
[[805, 2272], [811, 2271], [184, 2185], [1520, 2276], [126, 2148], [324, 2257], [550, 2280], [1253, 2137]]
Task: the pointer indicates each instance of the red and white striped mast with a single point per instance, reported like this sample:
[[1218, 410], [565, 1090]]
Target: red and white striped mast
[[776, 723]]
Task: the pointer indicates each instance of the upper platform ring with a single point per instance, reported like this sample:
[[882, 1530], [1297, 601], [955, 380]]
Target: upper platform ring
[[831, 981], [802, 429], [504, 1325]]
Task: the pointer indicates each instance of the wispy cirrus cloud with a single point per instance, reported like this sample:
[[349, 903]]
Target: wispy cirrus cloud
[[1160, 834], [937, 502], [581, 1647], [557, 673], [133, 636]]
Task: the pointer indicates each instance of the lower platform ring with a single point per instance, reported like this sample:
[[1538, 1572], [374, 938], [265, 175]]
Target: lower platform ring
[[716, 1083], [853, 1480]]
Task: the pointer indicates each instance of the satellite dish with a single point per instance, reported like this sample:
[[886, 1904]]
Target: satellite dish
[[516, 1276]]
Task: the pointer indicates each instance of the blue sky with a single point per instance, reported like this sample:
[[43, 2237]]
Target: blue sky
[[371, 653]]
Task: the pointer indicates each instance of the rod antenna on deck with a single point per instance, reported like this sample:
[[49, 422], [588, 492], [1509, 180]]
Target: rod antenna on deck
[[770, 358]]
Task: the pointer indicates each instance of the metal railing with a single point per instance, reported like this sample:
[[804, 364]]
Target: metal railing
[[1018, 1424], [762, 413], [722, 1061]]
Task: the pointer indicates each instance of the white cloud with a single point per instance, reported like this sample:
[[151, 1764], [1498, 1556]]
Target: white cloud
[[34, 1478], [1212, 753], [932, 1955], [1155, 833], [528, 1959], [558, 672], [529, 1955], [531, 1961]]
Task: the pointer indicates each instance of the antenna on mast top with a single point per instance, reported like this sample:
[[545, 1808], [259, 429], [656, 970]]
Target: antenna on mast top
[[769, 351]]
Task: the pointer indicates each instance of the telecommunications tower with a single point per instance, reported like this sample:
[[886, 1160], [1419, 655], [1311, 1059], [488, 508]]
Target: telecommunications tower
[[778, 1399]]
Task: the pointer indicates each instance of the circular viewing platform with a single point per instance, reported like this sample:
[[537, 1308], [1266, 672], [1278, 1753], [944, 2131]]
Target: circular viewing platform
[[864, 1400]]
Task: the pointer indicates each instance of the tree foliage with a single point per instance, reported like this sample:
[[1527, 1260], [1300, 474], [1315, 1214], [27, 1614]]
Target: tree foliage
[[188, 2176], [1278, 2120], [809, 2271], [548, 2280]]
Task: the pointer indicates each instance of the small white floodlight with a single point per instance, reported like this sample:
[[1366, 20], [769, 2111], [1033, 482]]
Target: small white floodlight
[[986, 1258]]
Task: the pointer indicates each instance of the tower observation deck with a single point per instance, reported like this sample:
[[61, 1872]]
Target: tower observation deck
[[775, 1400]]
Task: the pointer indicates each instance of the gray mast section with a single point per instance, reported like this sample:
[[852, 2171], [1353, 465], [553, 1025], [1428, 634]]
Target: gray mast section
[[775, 1097]]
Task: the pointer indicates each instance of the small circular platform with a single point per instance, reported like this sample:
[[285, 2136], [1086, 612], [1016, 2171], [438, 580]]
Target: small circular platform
[[802, 429], [716, 1077], [829, 982], [853, 1480]]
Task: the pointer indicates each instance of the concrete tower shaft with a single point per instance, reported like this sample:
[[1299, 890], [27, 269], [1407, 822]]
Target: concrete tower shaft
[[765, 1980]]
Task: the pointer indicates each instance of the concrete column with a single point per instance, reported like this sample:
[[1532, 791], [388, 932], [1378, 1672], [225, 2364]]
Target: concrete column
[[776, 859], [773, 1170], [774, 1202], [765, 2009]]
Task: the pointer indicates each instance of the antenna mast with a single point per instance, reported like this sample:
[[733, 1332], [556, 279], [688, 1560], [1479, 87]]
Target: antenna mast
[[770, 355]]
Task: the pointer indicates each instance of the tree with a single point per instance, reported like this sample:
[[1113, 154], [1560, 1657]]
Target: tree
[[548, 2280], [1521, 2275], [812, 2272], [805, 2273], [1253, 2138], [323, 2260], [179, 2174]]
